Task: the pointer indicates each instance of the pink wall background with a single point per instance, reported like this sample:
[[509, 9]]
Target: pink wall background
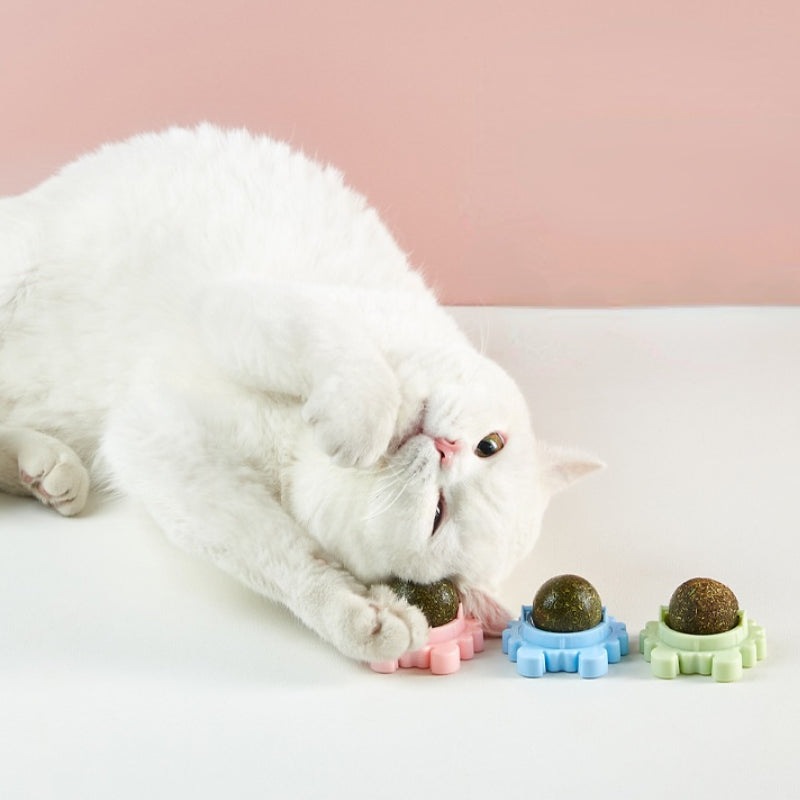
[[525, 152]]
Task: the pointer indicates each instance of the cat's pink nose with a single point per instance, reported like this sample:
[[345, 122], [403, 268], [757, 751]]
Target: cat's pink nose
[[446, 448]]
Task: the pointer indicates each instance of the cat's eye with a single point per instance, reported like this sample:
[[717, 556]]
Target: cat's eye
[[489, 445]]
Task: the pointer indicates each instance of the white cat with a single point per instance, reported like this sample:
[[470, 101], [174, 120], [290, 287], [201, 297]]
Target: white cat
[[215, 325]]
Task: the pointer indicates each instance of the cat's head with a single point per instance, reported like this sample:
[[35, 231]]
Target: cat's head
[[460, 494]]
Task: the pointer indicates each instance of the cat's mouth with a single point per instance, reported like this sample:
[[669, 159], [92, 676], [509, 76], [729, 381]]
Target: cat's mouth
[[439, 514]]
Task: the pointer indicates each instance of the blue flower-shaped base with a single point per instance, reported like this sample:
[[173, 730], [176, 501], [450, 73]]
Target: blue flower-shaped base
[[586, 652]]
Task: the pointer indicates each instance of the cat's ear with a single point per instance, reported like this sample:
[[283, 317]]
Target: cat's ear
[[561, 466], [493, 617]]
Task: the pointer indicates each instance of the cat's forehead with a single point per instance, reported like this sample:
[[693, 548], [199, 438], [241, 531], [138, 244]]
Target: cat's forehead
[[494, 391]]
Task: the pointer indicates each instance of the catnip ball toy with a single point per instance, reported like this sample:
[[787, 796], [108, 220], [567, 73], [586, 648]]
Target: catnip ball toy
[[702, 632], [566, 604], [702, 606], [438, 601], [565, 630]]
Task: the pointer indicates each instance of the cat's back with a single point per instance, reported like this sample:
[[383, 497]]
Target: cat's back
[[101, 264], [200, 203]]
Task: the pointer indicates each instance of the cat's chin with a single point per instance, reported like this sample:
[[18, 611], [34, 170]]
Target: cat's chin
[[421, 576]]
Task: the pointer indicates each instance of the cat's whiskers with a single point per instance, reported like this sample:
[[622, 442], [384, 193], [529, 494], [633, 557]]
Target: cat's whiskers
[[390, 477], [382, 506]]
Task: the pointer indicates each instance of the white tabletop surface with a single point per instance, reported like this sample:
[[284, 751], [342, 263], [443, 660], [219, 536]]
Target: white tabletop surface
[[130, 670]]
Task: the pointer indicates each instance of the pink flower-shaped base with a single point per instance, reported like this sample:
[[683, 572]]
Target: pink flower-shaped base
[[447, 646]]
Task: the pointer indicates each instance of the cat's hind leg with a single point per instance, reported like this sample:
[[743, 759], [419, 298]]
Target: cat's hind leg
[[33, 463]]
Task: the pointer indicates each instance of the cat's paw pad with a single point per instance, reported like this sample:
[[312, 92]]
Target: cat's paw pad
[[353, 417], [55, 476], [381, 626]]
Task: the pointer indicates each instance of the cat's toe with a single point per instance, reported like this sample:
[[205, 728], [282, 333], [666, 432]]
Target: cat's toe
[[411, 617], [384, 627], [55, 476], [65, 488]]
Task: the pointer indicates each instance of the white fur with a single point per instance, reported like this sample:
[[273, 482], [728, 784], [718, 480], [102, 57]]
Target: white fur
[[217, 326]]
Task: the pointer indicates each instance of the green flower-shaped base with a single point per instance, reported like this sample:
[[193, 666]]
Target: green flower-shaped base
[[721, 655]]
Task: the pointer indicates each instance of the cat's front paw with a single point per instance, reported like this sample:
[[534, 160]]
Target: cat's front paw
[[54, 475], [381, 626], [353, 414]]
